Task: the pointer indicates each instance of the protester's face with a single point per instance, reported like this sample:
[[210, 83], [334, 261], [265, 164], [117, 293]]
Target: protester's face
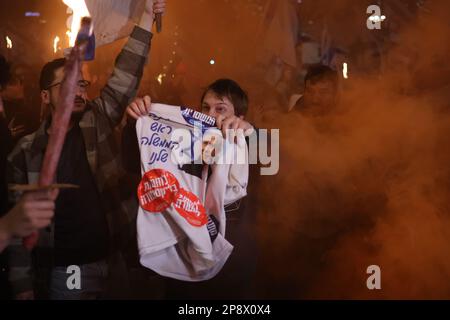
[[319, 96], [214, 106], [52, 97]]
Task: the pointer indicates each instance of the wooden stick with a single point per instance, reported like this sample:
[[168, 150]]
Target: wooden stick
[[61, 116], [158, 22]]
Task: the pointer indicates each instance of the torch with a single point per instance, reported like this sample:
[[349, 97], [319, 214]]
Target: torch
[[158, 19], [61, 117]]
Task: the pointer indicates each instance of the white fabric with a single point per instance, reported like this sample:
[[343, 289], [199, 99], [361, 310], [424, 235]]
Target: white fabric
[[237, 183], [281, 31], [293, 101], [114, 19], [168, 243]]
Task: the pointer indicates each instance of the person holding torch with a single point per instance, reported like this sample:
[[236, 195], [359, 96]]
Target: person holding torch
[[91, 221], [35, 209]]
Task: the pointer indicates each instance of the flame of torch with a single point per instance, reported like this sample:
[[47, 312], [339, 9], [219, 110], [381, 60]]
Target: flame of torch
[[55, 44], [345, 70], [79, 10], [160, 78], [9, 43]]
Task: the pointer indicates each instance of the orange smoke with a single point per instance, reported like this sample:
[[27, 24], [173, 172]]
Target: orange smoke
[[369, 183]]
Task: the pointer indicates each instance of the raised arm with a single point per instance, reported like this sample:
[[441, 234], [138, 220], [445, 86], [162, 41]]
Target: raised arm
[[129, 67]]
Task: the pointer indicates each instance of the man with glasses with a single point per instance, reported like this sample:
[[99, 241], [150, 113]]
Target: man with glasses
[[91, 222]]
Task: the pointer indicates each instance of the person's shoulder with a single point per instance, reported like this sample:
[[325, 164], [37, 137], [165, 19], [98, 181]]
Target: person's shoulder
[[35, 140], [23, 146], [26, 142]]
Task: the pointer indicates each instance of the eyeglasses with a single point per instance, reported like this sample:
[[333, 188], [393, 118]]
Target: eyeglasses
[[82, 84]]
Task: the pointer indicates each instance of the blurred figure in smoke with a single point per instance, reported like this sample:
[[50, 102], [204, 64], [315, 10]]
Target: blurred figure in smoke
[[286, 86], [401, 66], [320, 93]]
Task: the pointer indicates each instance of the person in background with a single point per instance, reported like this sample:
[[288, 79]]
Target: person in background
[[34, 210], [18, 95], [320, 92]]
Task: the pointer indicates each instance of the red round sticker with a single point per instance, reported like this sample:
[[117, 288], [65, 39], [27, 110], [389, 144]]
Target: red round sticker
[[158, 190], [190, 208]]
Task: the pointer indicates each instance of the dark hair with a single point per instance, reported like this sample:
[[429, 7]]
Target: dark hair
[[48, 72], [321, 73], [4, 71], [230, 89]]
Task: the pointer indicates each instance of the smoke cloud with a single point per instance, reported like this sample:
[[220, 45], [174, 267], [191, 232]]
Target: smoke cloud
[[368, 184]]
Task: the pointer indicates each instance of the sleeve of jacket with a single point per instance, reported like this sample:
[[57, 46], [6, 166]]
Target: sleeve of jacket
[[236, 187], [124, 82], [130, 149], [238, 177]]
